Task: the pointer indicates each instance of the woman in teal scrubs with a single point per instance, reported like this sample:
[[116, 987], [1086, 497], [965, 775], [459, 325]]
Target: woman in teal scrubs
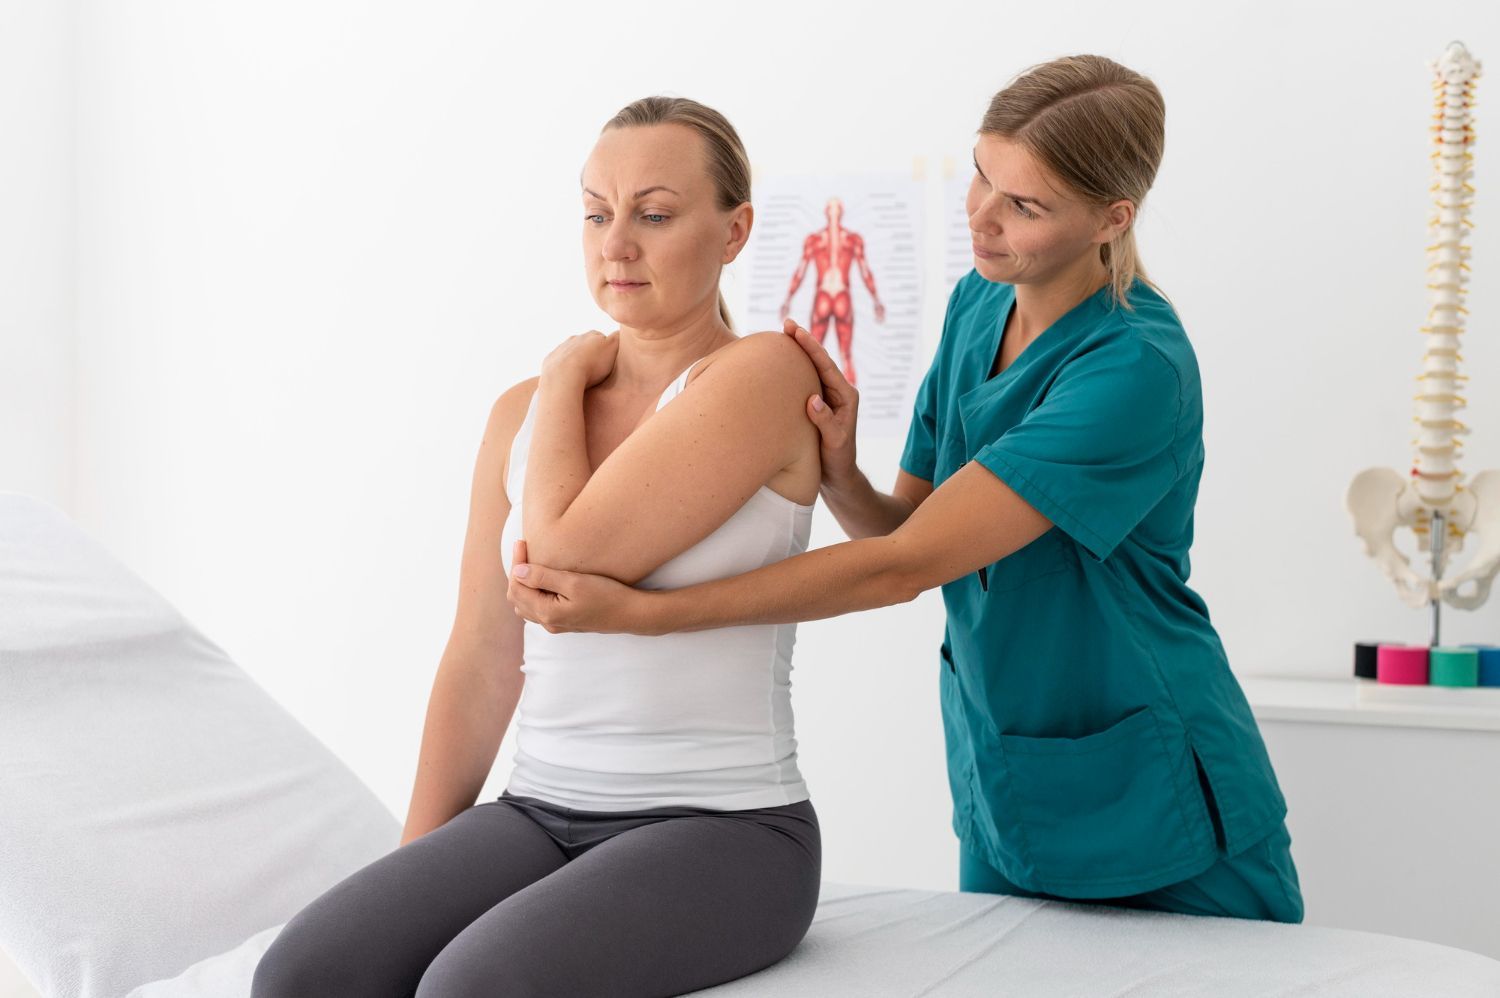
[[1099, 748]]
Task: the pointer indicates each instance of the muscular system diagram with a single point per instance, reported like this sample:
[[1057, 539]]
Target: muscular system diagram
[[832, 233], [833, 250]]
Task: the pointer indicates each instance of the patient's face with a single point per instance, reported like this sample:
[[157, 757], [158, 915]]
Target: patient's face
[[654, 236]]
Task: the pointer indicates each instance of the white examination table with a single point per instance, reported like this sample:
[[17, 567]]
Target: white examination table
[[161, 817]]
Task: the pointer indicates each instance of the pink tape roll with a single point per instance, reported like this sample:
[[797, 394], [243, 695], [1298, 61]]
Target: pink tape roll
[[1404, 665]]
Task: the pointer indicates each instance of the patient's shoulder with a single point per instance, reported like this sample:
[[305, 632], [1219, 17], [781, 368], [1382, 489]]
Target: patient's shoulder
[[770, 360], [510, 407], [505, 419]]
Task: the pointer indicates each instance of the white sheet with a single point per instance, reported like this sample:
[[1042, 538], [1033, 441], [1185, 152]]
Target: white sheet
[[158, 812], [156, 805], [867, 942]]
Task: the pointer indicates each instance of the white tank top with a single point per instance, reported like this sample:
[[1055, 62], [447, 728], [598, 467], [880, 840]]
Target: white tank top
[[622, 722]]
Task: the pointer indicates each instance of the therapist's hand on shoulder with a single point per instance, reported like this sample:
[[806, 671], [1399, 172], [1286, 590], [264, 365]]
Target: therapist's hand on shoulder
[[833, 411], [562, 601]]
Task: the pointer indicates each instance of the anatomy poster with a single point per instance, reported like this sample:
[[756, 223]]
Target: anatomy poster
[[843, 256], [958, 242]]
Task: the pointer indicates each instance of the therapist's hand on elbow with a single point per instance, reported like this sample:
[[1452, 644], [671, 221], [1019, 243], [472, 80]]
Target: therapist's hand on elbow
[[562, 601], [833, 411]]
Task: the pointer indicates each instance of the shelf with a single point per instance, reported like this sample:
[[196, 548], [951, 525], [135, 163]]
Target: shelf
[[1364, 701]]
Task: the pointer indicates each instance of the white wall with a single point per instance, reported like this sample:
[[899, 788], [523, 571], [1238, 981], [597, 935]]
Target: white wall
[[37, 218], [316, 240], [1390, 832]]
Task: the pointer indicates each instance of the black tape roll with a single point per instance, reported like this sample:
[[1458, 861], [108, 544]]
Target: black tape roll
[[1365, 654]]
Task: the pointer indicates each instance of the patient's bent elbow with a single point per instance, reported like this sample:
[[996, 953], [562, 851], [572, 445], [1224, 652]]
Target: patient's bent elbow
[[555, 549], [548, 547]]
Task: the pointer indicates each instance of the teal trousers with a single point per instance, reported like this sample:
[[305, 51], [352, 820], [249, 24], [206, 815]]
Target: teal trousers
[[1260, 882]]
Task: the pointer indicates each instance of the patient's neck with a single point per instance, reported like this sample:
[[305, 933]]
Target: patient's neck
[[650, 358]]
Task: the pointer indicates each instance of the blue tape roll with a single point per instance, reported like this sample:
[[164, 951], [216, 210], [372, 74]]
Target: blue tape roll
[[1489, 664]]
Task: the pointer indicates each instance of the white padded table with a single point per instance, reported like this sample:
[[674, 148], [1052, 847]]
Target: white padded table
[[161, 817]]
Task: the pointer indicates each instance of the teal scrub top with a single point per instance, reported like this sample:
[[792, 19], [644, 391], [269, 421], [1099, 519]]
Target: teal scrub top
[[1098, 744]]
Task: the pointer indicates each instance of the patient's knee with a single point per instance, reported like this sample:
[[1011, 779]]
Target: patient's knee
[[279, 974], [499, 970], [296, 967], [284, 972]]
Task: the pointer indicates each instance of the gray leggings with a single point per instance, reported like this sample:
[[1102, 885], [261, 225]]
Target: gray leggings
[[519, 897]]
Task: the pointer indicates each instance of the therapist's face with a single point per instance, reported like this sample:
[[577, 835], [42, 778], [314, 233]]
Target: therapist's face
[[1026, 227], [654, 236]]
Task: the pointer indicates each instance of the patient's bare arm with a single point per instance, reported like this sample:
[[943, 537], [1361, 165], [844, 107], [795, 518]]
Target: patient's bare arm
[[479, 678], [677, 477], [558, 467]]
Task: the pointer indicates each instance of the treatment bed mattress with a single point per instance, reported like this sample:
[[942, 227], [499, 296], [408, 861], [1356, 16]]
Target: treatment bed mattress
[[161, 816]]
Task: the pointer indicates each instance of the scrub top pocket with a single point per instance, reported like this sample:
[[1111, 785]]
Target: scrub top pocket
[[1102, 815], [962, 779]]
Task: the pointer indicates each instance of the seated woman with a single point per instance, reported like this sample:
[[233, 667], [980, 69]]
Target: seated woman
[[655, 837]]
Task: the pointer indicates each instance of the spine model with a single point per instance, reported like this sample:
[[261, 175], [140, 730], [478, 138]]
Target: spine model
[[1433, 500], [1435, 473]]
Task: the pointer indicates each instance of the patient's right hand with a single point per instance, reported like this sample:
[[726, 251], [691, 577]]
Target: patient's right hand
[[589, 357]]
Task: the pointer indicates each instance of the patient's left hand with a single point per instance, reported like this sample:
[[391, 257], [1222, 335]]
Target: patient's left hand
[[567, 601]]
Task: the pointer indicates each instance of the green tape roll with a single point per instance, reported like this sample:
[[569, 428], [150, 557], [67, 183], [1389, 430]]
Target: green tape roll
[[1453, 667]]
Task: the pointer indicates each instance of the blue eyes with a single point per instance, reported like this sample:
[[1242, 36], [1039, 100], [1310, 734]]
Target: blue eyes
[[1020, 207], [653, 218]]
